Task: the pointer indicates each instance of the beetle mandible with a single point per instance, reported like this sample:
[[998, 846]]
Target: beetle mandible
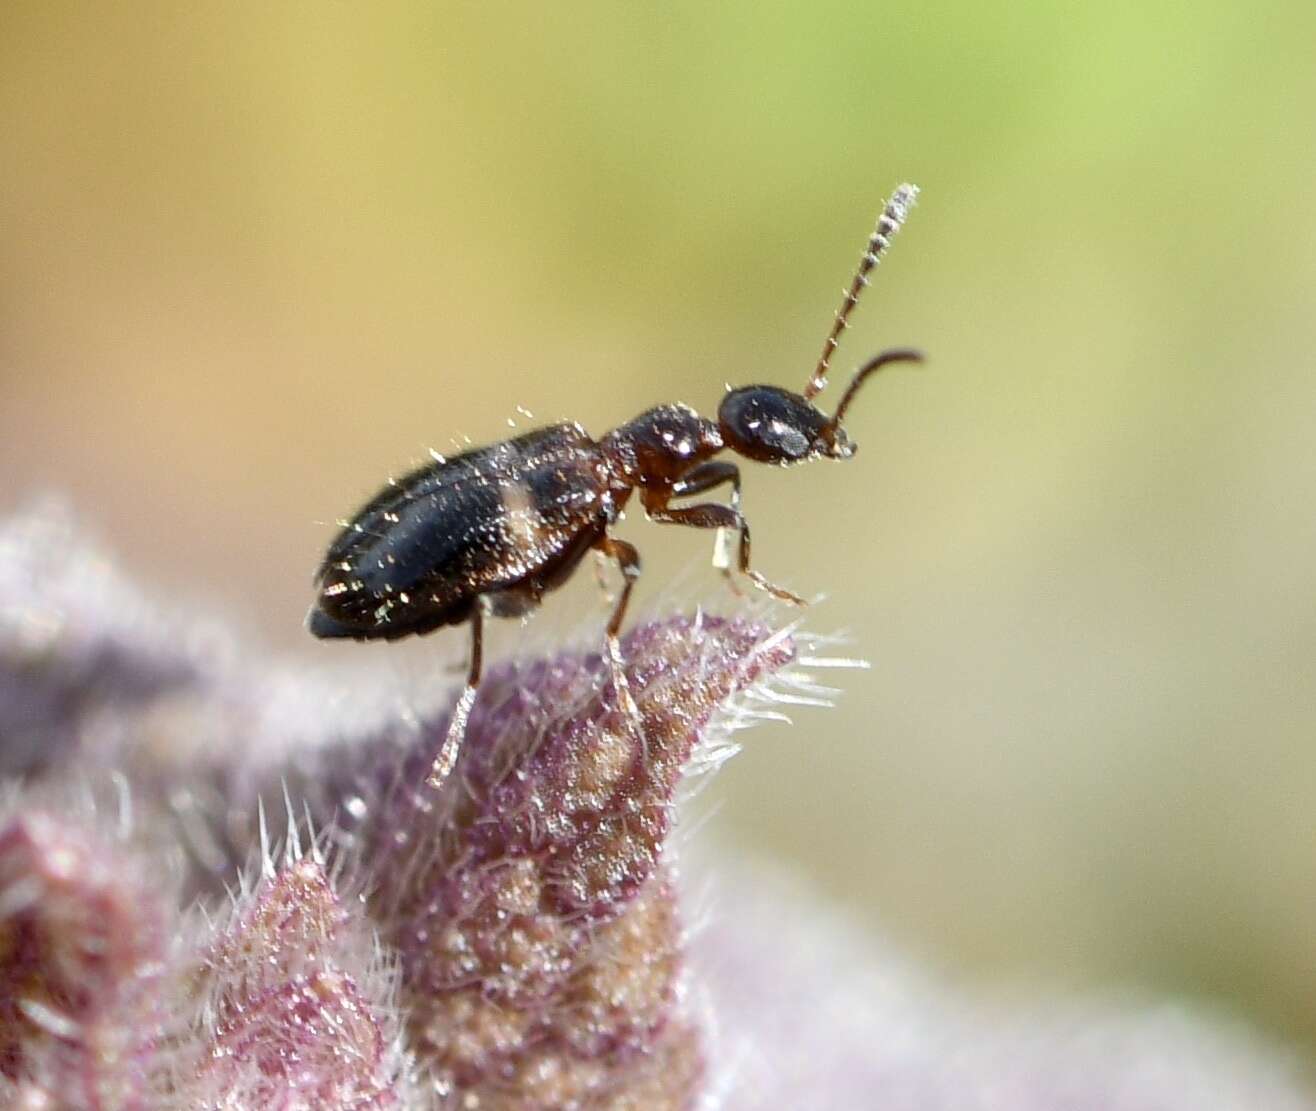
[[490, 531]]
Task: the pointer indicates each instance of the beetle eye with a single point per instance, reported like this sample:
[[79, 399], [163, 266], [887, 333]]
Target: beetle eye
[[791, 441]]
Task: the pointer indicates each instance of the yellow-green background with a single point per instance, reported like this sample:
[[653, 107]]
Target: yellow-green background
[[255, 257]]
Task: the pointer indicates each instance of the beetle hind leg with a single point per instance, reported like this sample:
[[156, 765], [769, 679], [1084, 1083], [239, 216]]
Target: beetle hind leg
[[446, 759]]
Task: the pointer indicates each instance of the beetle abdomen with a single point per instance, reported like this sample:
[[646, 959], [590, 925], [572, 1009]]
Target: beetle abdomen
[[502, 518]]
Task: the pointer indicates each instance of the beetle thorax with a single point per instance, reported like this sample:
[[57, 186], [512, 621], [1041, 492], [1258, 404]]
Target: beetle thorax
[[660, 445]]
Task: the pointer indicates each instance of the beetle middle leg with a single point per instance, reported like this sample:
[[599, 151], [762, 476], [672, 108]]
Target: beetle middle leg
[[628, 559], [446, 759], [712, 515]]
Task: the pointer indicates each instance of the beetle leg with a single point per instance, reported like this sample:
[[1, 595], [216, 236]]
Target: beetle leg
[[628, 559], [446, 759], [703, 478], [708, 475], [711, 515]]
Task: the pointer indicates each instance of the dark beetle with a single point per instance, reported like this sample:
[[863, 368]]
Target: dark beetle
[[492, 530]]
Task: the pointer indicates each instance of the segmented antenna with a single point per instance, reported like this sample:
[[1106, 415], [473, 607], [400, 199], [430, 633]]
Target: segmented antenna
[[893, 216]]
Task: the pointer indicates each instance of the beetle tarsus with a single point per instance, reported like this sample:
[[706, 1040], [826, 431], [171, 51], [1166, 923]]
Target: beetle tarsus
[[617, 667], [778, 592], [446, 760], [628, 559], [448, 752]]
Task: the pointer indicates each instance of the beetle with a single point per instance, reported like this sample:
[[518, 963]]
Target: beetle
[[490, 531]]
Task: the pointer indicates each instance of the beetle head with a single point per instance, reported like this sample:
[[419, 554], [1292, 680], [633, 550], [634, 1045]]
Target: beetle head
[[771, 425]]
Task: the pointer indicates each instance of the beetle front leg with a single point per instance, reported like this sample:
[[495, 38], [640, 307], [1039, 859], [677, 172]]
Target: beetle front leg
[[711, 515], [703, 478], [446, 759], [706, 476]]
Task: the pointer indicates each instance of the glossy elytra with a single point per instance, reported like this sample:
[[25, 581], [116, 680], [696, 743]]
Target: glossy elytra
[[490, 531]]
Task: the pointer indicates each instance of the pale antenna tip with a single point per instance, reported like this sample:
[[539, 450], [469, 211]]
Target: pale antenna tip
[[902, 200]]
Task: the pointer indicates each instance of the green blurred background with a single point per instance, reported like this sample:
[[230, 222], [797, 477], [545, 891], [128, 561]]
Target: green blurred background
[[254, 258]]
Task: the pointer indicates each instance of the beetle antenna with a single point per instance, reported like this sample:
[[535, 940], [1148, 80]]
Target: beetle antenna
[[893, 216], [876, 363]]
